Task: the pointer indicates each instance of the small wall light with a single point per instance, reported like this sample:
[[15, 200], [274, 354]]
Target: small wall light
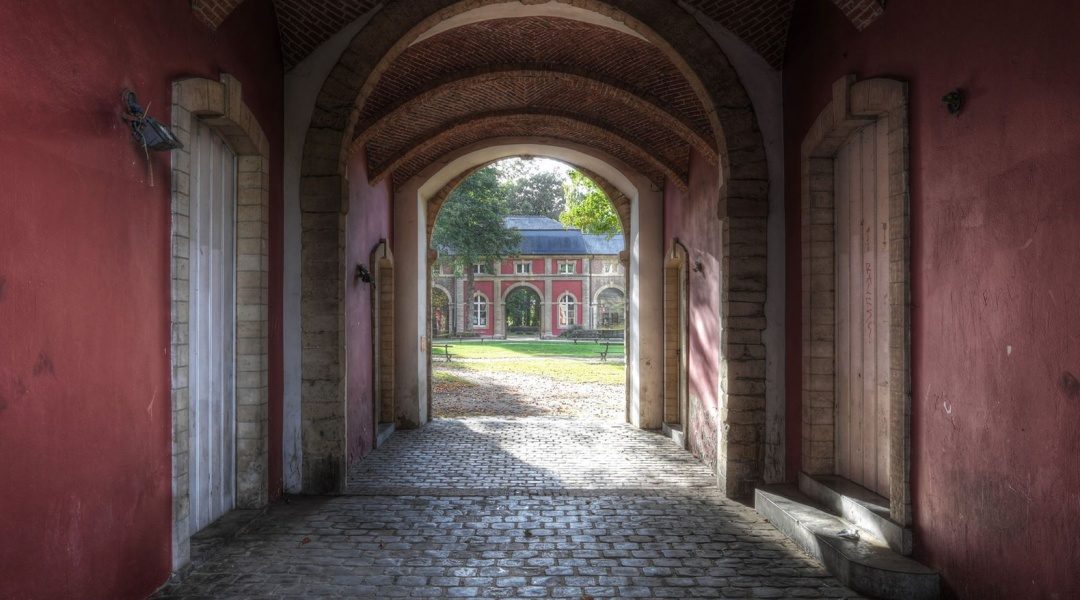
[[149, 133], [954, 101], [363, 274]]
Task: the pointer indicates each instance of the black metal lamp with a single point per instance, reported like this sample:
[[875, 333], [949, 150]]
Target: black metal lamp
[[147, 131]]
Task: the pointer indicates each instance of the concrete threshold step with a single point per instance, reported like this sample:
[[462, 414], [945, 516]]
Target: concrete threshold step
[[867, 510], [384, 433], [867, 565]]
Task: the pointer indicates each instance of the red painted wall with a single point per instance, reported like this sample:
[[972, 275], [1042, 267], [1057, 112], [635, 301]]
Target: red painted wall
[[487, 288], [84, 283], [690, 217], [368, 222], [557, 289], [996, 289]]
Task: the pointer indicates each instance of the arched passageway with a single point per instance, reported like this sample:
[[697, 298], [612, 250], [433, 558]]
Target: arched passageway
[[659, 114], [522, 310]]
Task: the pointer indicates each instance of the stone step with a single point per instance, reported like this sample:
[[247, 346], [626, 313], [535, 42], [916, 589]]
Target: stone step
[[868, 566], [867, 510], [384, 433]]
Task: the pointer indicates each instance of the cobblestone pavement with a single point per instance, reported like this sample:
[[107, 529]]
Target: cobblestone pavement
[[532, 454], [618, 514]]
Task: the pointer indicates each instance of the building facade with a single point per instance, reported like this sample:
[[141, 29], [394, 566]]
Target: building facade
[[559, 280]]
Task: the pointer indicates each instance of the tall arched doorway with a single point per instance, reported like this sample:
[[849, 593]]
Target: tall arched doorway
[[610, 309], [521, 306], [441, 314]]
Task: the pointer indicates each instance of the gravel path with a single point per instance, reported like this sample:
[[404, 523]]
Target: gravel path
[[490, 393]]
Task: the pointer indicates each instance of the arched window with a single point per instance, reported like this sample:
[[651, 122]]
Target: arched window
[[567, 309], [479, 310], [611, 308]]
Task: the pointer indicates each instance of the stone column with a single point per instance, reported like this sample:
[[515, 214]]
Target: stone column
[[586, 293], [411, 308], [548, 307], [497, 313], [460, 305]]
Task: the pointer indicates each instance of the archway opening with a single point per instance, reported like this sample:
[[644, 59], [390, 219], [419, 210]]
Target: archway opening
[[522, 246], [523, 313]]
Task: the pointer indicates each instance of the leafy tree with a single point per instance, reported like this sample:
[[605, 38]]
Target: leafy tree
[[588, 207], [470, 230], [538, 193]]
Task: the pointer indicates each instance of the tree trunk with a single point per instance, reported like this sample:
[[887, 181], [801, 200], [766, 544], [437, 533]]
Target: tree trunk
[[470, 278]]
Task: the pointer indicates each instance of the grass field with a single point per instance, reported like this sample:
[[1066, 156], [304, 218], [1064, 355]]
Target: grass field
[[563, 369], [475, 349]]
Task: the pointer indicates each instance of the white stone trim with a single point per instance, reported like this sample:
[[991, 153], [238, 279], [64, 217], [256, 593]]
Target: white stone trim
[[854, 105], [219, 105]]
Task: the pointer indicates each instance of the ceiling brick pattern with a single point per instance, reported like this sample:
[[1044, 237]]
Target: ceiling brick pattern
[[213, 12], [535, 126], [306, 24], [540, 43], [861, 13], [531, 94], [762, 24]]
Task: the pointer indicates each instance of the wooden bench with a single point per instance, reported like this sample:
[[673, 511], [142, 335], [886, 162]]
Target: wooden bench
[[607, 348], [446, 350]]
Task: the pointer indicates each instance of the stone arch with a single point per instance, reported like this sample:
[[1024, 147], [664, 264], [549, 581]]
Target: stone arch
[[643, 340], [854, 105], [569, 81], [603, 288], [619, 201], [220, 105], [535, 123], [521, 284], [742, 202]]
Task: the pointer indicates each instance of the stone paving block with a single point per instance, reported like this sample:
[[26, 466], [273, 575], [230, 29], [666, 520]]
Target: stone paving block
[[513, 508]]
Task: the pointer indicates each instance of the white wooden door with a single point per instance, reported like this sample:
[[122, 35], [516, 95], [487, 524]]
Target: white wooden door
[[862, 316], [212, 329]]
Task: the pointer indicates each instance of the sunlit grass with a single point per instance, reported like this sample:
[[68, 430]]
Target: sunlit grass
[[563, 369], [445, 377], [476, 349]]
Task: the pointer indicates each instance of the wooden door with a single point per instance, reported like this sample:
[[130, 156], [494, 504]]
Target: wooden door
[[862, 316], [212, 329]]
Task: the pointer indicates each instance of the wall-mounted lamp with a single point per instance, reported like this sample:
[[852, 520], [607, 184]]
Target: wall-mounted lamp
[[150, 134], [363, 274], [954, 101]]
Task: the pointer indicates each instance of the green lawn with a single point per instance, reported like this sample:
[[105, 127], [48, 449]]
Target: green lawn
[[573, 370], [476, 349]]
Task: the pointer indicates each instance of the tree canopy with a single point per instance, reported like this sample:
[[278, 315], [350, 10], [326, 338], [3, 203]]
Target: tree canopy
[[470, 226], [531, 190], [588, 207]]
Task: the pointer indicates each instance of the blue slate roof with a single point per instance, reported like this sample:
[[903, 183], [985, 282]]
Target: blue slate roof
[[546, 236], [542, 236]]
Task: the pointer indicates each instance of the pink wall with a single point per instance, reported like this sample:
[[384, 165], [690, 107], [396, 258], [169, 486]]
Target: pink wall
[[557, 289], [995, 249], [84, 283], [690, 217], [368, 222]]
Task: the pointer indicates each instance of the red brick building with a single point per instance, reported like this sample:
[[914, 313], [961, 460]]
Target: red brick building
[[573, 279]]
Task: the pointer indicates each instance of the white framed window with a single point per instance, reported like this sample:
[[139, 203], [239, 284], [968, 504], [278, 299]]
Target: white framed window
[[479, 310], [480, 269], [567, 267], [609, 267], [523, 267], [567, 309]]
